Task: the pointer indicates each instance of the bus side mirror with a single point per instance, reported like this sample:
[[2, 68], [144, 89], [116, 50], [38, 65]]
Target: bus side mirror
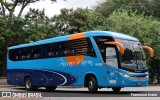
[[150, 50], [121, 47]]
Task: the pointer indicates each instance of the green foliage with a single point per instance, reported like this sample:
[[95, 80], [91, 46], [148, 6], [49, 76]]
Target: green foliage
[[37, 27], [138, 18], [16, 29], [148, 7], [145, 28], [79, 20]]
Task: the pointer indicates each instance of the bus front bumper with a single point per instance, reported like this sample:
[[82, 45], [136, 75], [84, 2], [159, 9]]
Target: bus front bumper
[[127, 82]]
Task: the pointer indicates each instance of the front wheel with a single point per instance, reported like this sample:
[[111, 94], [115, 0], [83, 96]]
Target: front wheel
[[116, 89], [92, 85]]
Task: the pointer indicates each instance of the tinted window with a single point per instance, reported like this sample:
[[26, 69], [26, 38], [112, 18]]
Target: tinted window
[[100, 43], [25, 53], [15, 54], [37, 53], [71, 48], [79, 47], [59, 49], [55, 50]]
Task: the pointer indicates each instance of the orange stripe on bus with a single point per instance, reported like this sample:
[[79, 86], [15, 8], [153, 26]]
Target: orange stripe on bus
[[77, 36]]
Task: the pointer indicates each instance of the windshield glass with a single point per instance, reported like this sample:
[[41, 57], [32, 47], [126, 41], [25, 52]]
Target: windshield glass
[[133, 57]]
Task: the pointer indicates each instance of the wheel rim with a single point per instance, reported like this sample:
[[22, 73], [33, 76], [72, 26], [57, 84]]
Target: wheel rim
[[28, 84], [90, 84]]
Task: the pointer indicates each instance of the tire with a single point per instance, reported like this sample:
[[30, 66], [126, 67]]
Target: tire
[[92, 85], [116, 89], [50, 88], [28, 85]]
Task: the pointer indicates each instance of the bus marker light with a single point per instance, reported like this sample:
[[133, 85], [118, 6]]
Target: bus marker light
[[71, 78], [131, 72], [107, 68], [123, 82]]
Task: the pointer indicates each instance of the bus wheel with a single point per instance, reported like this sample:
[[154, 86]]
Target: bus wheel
[[116, 89], [28, 85], [92, 85], [50, 88]]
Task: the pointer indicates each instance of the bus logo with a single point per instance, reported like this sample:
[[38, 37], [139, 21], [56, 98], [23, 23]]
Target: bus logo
[[6, 94]]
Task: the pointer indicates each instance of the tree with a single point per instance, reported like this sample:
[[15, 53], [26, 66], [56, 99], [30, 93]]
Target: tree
[[145, 28], [72, 21], [8, 36], [11, 5], [13, 28], [148, 7], [38, 26]]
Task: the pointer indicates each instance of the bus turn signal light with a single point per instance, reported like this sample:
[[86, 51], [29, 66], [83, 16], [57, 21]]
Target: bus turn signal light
[[121, 47], [150, 50]]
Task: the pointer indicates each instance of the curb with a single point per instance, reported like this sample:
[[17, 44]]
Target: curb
[[1, 86], [3, 81], [154, 85]]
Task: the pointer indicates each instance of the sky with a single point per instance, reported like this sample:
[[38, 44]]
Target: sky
[[52, 9]]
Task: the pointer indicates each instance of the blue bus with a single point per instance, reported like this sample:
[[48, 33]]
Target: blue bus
[[93, 59]]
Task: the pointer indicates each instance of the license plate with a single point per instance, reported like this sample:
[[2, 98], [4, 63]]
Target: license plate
[[139, 83]]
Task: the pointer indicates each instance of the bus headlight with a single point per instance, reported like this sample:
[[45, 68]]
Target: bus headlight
[[147, 76], [124, 75]]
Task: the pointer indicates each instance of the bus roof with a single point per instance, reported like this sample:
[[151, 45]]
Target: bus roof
[[87, 34]]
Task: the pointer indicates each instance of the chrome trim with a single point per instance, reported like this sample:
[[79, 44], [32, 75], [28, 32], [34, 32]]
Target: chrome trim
[[132, 77], [138, 78]]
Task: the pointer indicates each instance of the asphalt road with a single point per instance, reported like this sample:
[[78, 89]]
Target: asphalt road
[[148, 93]]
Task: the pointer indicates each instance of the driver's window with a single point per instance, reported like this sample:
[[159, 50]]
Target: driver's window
[[111, 57]]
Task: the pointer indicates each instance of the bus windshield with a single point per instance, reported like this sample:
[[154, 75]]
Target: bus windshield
[[133, 57]]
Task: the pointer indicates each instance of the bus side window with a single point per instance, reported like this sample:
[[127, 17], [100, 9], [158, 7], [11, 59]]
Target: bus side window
[[61, 49], [14, 55], [37, 53], [90, 49], [26, 54], [51, 53], [100, 44], [52, 50], [79, 47]]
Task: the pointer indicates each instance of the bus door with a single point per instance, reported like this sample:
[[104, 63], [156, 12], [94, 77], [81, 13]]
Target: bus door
[[112, 64]]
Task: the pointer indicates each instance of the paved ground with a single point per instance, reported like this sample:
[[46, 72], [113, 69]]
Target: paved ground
[[3, 81], [145, 93]]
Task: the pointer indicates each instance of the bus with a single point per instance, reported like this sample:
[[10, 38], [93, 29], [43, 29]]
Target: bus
[[93, 59]]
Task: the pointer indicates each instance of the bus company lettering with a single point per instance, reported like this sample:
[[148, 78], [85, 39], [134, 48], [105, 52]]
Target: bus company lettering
[[87, 62], [102, 39], [64, 63]]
